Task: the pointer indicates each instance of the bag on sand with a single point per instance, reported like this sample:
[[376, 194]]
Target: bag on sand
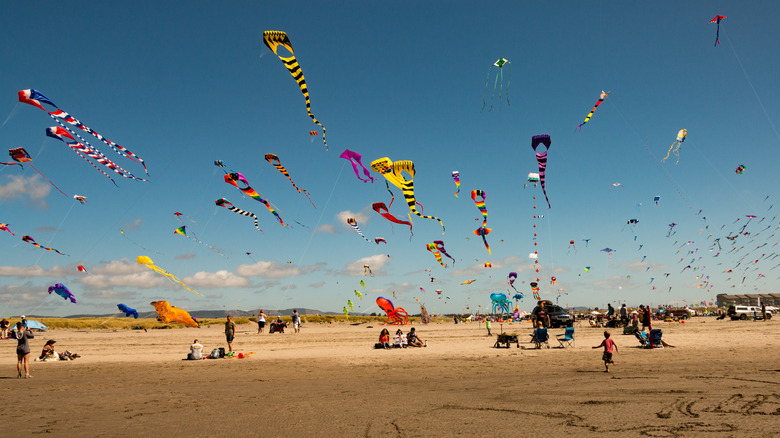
[[214, 354], [221, 352]]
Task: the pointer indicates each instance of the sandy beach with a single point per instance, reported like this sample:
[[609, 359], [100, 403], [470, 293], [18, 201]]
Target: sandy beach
[[722, 380]]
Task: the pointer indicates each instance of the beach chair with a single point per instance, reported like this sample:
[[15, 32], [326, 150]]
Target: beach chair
[[567, 338], [630, 330], [642, 338], [540, 336], [656, 335]]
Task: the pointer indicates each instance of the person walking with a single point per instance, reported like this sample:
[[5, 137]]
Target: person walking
[[260, 321], [22, 334], [296, 321], [230, 332]]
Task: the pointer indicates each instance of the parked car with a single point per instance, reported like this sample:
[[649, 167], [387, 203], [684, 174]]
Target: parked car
[[559, 317], [747, 312]]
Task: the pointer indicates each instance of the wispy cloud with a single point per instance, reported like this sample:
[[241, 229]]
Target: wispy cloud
[[31, 190], [376, 262], [213, 280]]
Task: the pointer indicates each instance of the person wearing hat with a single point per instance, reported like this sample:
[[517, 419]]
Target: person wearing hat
[[24, 321], [22, 334], [48, 351]]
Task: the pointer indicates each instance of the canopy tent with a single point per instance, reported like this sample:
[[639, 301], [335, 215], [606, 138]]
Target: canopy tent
[[35, 325]]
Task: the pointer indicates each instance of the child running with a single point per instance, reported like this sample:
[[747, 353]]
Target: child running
[[608, 345]]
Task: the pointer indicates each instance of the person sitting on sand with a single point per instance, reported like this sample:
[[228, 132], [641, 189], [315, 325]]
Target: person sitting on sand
[[196, 351], [414, 341], [48, 351], [4, 324], [399, 340], [384, 339]]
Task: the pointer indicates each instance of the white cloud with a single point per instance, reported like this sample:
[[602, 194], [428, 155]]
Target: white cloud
[[30, 189], [118, 267], [141, 280], [187, 256], [134, 225], [35, 271], [360, 217], [326, 228], [268, 270], [376, 262], [105, 294], [209, 280]]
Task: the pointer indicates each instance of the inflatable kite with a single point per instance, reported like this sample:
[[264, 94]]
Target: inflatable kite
[[273, 39], [500, 63], [432, 248], [37, 99], [233, 179], [469, 281], [351, 306], [357, 159], [62, 291], [363, 283], [601, 99], [456, 178], [541, 159], [274, 160], [222, 202], [353, 223], [146, 261], [32, 241], [87, 149], [379, 207], [393, 173], [20, 155], [395, 315], [717, 31], [360, 295], [367, 270], [4, 227], [168, 313], [511, 280], [675, 147], [128, 311]]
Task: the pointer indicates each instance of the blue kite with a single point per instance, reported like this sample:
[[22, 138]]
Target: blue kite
[[128, 311], [62, 291]]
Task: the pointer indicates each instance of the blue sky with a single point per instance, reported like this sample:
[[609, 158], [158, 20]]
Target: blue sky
[[182, 87]]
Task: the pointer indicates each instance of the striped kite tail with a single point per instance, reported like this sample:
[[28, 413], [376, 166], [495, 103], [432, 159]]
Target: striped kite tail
[[413, 208], [295, 70]]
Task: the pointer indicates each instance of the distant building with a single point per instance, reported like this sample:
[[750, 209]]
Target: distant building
[[748, 299]]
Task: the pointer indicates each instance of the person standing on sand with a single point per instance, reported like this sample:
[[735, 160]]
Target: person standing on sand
[[763, 312], [624, 315], [487, 326], [230, 332], [296, 321], [610, 311], [260, 321], [22, 334], [608, 345], [4, 324]]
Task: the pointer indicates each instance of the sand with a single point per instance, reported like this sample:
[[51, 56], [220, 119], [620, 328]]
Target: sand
[[722, 380]]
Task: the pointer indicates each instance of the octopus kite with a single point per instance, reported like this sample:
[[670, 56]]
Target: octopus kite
[[393, 172], [500, 63], [273, 39], [603, 96], [675, 147]]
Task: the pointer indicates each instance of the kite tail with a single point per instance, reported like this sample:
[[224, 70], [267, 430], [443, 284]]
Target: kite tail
[[507, 84], [487, 81], [47, 179], [414, 210], [295, 70], [501, 86], [668, 152], [495, 83], [172, 278]]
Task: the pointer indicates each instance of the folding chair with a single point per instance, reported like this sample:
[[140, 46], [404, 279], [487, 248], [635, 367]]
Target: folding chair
[[567, 338], [540, 337]]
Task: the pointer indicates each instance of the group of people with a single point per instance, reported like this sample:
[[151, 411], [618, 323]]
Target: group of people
[[261, 321], [400, 339]]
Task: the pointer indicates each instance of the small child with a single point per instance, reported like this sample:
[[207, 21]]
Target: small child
[[608, 345], [487, 325]]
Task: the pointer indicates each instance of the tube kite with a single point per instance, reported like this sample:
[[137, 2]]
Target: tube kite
[[456, 178], [440, 246], [32, 241], [500, 63], [274, 160], [234, 177], [222, 202], [367, 270], [356, 159], [675, 147], [601, 99], [168, 313], [380, 206], [482, 231], [146, 261], [273, 39], [62, 291], [353, 222], [20, 155], [83, 149], [432, 248], [127, 310], [717, 31], [393, 173], [480, 204], [183, 231], [37, 99], [541, 159], [379, 240], [4, 227]]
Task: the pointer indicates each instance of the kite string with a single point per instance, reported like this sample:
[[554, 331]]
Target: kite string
[[311, 235], [755, 93], [13, 112]]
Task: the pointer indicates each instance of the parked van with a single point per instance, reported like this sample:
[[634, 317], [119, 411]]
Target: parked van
[[747, 312]]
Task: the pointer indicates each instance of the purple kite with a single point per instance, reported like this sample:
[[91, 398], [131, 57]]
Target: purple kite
[[355, 158], [62, 291], [541, 158]]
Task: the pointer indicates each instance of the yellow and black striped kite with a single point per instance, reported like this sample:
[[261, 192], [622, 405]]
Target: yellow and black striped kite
[[392, 171], [273, 39]]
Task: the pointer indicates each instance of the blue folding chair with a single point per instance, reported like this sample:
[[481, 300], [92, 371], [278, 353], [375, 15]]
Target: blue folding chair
[[540, 336], [656, 335], [567, 338]]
